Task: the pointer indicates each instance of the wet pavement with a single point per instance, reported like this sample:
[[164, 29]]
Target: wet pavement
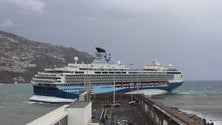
[[104, 113]]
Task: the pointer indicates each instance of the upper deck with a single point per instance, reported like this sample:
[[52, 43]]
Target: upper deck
[[105, 67]]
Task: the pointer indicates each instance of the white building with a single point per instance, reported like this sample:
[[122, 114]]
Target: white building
[[78, 113]]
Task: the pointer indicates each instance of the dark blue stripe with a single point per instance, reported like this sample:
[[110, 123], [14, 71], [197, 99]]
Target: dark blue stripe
[[53, 91], [38, 101], [168, 88]]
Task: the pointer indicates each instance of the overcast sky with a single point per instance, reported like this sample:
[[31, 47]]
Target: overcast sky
[[185, 33]]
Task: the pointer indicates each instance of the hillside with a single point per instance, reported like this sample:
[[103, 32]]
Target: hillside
[[21, 58]]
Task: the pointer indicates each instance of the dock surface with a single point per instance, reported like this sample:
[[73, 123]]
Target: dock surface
[[146, 112], [128, 110], [134, 114]]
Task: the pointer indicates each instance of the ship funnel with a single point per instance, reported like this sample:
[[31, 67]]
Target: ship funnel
[[76, 59]]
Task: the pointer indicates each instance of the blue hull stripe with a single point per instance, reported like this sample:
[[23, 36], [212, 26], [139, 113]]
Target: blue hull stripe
[[53, 91], [47, 102], [59, 92]]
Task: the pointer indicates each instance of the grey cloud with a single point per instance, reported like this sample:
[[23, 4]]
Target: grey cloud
[[34, 5], [6, 24], [185, 33]]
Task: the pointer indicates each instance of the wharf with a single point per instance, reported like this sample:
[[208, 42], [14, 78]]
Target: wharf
[[106, 114], [100, 111], [146, 112]]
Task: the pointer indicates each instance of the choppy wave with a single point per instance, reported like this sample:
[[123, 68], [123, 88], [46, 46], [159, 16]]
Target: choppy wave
[[197, 93], [187, 92], [16, 95], [31, 102], [209, 118], [28, 102], [203, 98]]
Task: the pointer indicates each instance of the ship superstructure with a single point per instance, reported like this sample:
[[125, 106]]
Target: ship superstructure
[[103, 75]]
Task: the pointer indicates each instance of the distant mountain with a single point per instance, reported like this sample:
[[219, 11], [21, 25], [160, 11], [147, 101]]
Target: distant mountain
[[21, 58]]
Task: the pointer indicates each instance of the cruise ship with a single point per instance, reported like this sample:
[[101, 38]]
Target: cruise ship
[[103, 75]]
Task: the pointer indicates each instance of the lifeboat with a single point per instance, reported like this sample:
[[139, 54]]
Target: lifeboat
[[144, 84], [118, 85], [125, 84]]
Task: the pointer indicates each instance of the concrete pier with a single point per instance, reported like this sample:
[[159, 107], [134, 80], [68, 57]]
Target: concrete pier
[[148, 111], [164, 115], [106, 114], [100, 111]]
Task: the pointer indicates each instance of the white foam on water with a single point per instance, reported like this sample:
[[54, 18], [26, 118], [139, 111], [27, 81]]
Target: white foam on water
[[191, 92], [209, 118], [217, 122], [28, 102], [49, 99], [149, 92]]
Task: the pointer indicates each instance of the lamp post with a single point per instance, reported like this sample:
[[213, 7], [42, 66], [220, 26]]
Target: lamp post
[[114, 85], [131, 84]]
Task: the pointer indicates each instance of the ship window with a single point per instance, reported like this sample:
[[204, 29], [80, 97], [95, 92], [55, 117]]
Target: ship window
[[173, 72]]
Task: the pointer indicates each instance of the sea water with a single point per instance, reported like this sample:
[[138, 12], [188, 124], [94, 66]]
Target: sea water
[[203, 98], [15, 108]]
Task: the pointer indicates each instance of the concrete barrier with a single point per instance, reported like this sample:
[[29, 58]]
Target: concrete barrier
[[161, 114]]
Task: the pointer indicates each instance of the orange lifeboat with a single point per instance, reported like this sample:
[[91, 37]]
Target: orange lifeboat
[[125, 84], [118, 85], [144, 84]]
